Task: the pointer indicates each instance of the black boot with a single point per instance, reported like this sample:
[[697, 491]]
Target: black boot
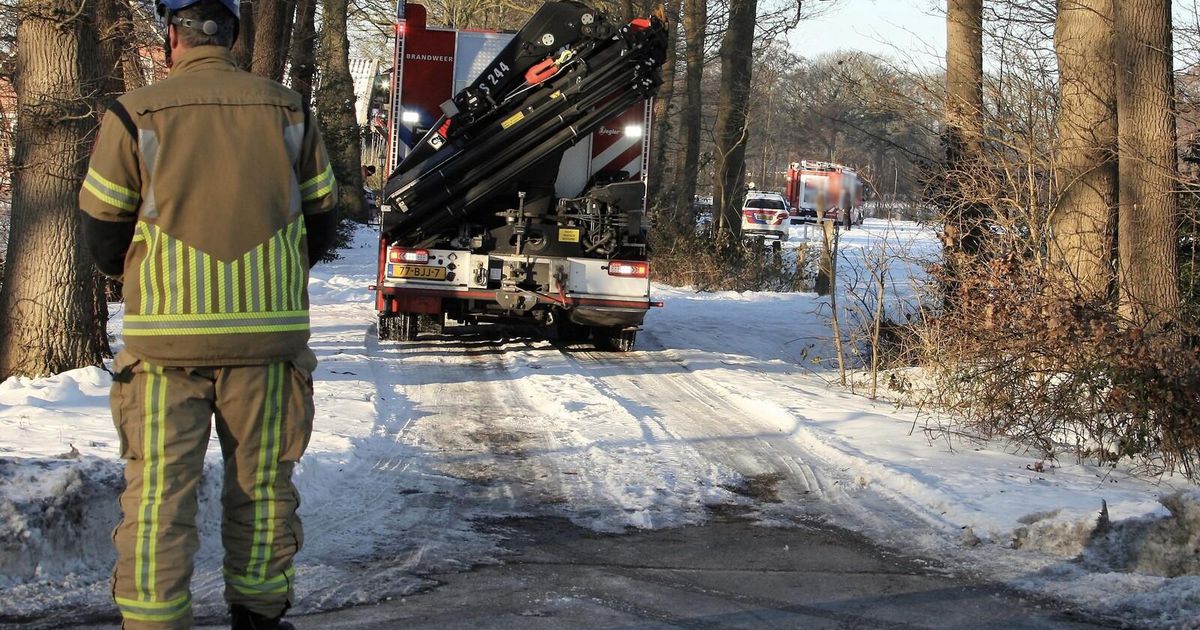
[[242, 618]]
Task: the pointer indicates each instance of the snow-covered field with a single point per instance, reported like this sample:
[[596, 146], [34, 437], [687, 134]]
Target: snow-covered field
[[722, 407]]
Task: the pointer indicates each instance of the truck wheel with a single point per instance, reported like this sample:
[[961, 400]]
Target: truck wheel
[[397, 327], [614, 339], [387, 327], [408, 326], [430, 323]]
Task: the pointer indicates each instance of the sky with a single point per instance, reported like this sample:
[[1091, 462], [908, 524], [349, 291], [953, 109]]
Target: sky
[[915, 30], [907, 29]]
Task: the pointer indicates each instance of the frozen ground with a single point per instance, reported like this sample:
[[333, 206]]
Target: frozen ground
[[723, 408]]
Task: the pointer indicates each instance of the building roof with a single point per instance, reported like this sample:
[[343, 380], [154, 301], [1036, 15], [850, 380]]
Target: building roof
[[364, 73]]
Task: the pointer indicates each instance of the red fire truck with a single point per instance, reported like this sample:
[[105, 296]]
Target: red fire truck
[[823, 190], [518, 166]]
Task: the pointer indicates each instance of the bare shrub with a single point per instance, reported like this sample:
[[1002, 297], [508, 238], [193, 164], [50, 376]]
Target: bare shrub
[[710, 264], [1062, 373]]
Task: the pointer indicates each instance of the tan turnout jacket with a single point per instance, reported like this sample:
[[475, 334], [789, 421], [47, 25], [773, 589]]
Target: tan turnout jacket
[[217, 168]]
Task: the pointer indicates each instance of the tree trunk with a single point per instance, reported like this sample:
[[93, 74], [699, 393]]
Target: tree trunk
[[737, 59], [1148, 216], [964, 75], [243, 48], [52, 309], [335, 110], [272, 32], [115, 32], [303, 49], [663, 129], [1082, 249], [695, 21], [964, 126]]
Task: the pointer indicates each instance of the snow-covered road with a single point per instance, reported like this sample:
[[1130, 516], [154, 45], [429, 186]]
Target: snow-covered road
[[721, 411]]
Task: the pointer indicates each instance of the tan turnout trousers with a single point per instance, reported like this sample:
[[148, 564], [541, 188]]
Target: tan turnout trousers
[[263, 415]]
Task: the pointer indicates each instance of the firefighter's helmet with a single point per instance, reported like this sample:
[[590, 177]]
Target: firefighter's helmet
[[166, 10]]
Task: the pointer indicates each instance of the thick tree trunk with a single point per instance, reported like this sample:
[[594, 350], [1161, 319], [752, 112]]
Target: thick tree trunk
[[964, 75], [335, 109], [1149, 212], [1082, 248], [272, 33], [695, 21], [52, 308], [115, 31], [737, 58], [243, 48], [964, 126], [303, 49], [663, 129]]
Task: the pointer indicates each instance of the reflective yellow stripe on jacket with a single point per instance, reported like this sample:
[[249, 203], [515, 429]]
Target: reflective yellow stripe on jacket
[[185, 291]]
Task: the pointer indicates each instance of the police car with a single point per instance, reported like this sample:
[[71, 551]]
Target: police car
[[766, 214]]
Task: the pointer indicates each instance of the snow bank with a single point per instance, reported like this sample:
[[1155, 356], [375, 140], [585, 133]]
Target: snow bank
[[1168, 546], [56, 517]]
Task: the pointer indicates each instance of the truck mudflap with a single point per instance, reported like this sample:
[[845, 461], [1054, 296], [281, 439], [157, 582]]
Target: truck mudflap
[[408, 292], [608, 316]]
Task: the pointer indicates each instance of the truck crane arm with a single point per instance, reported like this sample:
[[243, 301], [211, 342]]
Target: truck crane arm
[[567, 71]]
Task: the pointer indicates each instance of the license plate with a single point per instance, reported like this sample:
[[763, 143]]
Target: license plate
[[418, 272]]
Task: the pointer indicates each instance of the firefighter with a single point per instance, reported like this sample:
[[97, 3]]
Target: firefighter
[[210, 195]]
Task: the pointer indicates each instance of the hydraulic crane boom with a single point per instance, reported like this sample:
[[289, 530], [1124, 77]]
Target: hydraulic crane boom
[[567, 71]]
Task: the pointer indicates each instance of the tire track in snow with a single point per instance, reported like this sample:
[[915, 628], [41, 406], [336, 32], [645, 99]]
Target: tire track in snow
[[657, 380], [511, 417]]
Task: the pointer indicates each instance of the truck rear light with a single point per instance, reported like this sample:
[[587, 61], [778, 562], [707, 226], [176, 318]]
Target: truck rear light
[[629, 269], [405, 255]]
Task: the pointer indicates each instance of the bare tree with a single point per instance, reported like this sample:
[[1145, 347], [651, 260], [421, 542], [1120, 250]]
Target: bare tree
[[481, 13], [663, 129], [304, 49], [964, 121], [52, 308], [737, 59], [1149, 211], [335, 110], [695, 25], [116, 35], [272, 36], [1082, 246], [243, 48]]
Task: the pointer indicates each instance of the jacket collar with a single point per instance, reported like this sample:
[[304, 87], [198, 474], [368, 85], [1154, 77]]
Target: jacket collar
[[206, 57]]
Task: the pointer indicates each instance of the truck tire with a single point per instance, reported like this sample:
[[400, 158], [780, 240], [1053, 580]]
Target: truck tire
[[433, 324], [397, 327], [387, 327], [614, 339]]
